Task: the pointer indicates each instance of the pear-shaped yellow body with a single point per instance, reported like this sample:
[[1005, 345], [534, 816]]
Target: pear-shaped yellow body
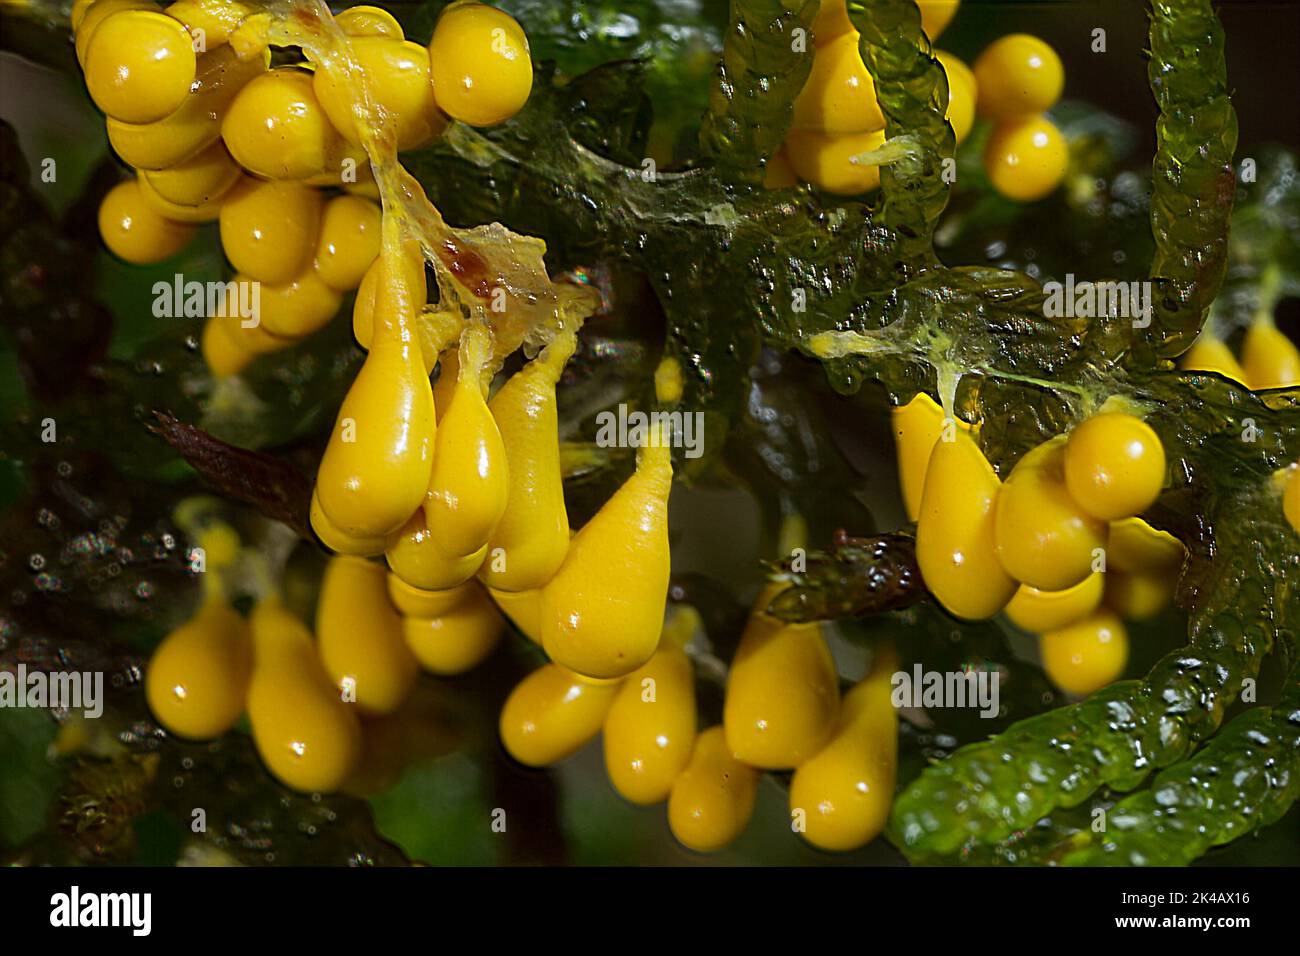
[[1041, 611], [917, 426], [552, 713], [523, 608], [955, 547], [336, 540], [459, 638], [197, 679], [307, 737], [532, 537], [846, 790], [602, 612], [651, 727], [360, 637], [783, 693], [375, 471], [713, 798], [417, 560], [470, 481]]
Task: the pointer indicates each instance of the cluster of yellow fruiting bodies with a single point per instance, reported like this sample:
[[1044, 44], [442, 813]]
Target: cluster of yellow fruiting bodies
[[1058, 546], [837, 120], [216, 135], [1268, 358]]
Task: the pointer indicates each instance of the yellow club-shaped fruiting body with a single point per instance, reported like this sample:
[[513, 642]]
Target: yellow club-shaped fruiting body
[[955, 542], [276, 129], [532, 537], [524, 610], [917, 425], [1135, 546], [1042, 611], [839, 95], [348, 243], [1018, 76], [459, 638], [1026, 159], [269, 229], [398, 91], [297, 308], [1087, 655], [962, 93], [134, 231], [95, 14], [1044, 538], [448, 377], [197, 679], [204, 178], [1211, 354], [1291, 499], [651, 727], [139, 66], [197, 123], [375, 470], [411, 601], [1114, 465], [334, 539], [304, 732], [416, 558], [368, 21], [217, 19], [826, 160], [713, 798], [603, 611], [471, 474], [1139, 595], [482, 71], [411, 261], [783, 693], [552, 713], [1270, 359], [359, 634], [844, 792]]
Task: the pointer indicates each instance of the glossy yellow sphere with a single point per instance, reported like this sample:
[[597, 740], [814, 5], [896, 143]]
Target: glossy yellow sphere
[[1139, 595], [458, 639], [1044, 538], [360, 637], [200, 180], [955, 541], [269, 230], [826, 160], [368, 21], [839, 95], [91, 16], [197, 679], [398, 88], [132, 230], [1270, 359], [1018, 76], [651, 727], [842, 795], [552, 713], [416, 558], [299, 307], [139, 66], [276, 128], [1114, 465], [962, 92], [348, 243], [1087, 655], [1042, 611], [1026, 159], [713, 798], [783, 693], [482, 71]]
